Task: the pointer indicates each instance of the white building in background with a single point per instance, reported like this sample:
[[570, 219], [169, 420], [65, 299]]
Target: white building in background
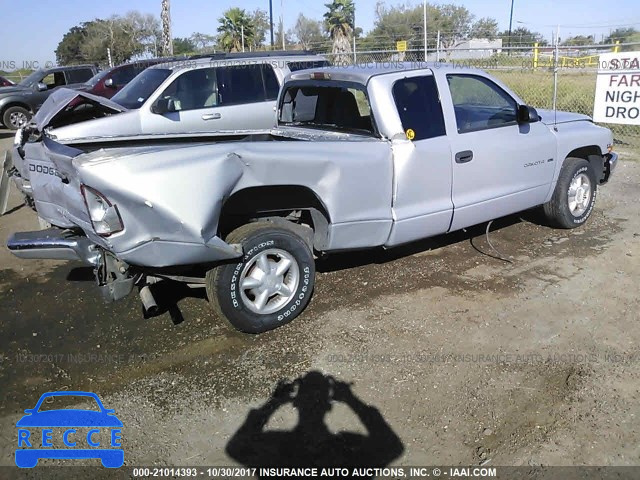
[[467, 49]]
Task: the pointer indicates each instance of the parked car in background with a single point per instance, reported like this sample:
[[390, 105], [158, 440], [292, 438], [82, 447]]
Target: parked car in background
[[18, 103], [5, 82], [109, 82], [361, 158], [201, 94]]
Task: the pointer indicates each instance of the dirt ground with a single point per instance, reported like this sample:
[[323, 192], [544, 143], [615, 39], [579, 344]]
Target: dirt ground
[[466, 359]]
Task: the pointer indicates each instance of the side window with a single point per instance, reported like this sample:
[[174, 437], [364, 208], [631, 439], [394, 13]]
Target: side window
[[193, 90], [79, 75], [271, 85], [418, 104], [124, 75], [54, 80], [480, 104], [240, 84], [49, 81]]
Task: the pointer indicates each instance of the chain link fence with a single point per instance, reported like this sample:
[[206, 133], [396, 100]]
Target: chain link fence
[[528, 71]]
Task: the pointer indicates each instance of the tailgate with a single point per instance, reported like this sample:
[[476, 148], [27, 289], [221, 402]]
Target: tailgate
[[55, 183]]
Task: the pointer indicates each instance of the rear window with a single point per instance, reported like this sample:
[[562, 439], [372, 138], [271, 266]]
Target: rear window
[[337, 108]]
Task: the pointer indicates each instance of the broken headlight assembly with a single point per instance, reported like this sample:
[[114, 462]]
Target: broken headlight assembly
[[105, 217]]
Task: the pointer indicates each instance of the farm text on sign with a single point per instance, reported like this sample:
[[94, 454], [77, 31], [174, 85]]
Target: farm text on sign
[[618, 89]]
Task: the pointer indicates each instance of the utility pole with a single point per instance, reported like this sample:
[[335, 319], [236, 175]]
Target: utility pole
[[510, 25], [242, 33], [271, 20], [284, 47], [425, 30], [167, 39]]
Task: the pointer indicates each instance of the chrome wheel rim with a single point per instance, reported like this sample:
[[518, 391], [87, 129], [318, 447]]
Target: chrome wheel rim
[[17, 119], [269, 281], [580, 195]]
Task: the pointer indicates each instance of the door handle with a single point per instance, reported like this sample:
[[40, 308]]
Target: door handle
[[464, 157], [211, 116]]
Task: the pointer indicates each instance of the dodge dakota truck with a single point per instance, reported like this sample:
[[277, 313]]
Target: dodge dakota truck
[[360, 157]]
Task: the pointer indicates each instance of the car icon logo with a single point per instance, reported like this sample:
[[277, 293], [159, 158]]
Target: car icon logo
[[102, 438]]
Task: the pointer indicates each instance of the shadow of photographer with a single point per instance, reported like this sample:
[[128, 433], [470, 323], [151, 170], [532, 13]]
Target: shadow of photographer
[[310, 443]]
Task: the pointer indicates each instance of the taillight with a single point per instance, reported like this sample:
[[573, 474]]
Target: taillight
[[105, 217]]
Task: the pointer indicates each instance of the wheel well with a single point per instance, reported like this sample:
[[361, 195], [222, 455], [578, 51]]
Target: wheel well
[[14, 104], [297, 204], [593, 155]]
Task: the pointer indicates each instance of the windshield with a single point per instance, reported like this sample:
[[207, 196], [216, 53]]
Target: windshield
[[93, 81], [332, 107], [32, 79], [141, 88]]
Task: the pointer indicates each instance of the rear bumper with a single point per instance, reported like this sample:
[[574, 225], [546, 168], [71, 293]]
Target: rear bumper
[[54, 244]]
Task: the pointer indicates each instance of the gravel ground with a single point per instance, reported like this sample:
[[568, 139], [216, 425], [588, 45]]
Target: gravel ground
[[434, 354]]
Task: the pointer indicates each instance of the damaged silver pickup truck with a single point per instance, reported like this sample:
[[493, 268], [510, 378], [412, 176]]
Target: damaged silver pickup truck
[[360, 158]]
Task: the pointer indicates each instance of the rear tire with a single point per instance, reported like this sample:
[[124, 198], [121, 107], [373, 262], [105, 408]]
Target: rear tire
[[16, 117], [575, 195], [272, 283]]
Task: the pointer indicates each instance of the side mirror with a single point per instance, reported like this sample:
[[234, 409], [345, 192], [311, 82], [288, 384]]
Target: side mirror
[[41, 87], [109, 83], [164, 105], [527, 114]]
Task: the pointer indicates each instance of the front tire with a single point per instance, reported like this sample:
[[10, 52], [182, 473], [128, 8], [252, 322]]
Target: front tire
[[575, 195], [272, 283], [16, 117]]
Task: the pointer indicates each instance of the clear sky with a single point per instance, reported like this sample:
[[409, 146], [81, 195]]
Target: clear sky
[[31, 29]]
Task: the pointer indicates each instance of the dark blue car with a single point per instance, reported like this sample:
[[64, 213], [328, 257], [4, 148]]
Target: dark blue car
[[68, 419]]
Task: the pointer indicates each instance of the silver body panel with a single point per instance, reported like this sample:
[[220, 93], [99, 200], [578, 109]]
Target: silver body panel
[[383, 191]]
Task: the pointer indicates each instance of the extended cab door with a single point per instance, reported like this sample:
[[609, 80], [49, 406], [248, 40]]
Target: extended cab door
[[217, 98], [422, 204], [499, 166]]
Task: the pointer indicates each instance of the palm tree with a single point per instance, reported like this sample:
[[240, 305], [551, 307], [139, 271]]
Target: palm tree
[[233, 24], [339, 22], [167, 41]]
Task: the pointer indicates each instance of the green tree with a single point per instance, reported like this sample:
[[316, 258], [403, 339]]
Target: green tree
[[261, 25], [202, 41], [396, 23], [339, 23], [522, 37], [124, 36], [484, 28], [579, 40], [406, 22], [183, 46], [308, 32], [288, 40], [233, 25], [621, 34], [69, 50]]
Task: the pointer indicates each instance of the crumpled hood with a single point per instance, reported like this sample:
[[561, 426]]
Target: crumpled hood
[[62, 97], [550, 117]]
